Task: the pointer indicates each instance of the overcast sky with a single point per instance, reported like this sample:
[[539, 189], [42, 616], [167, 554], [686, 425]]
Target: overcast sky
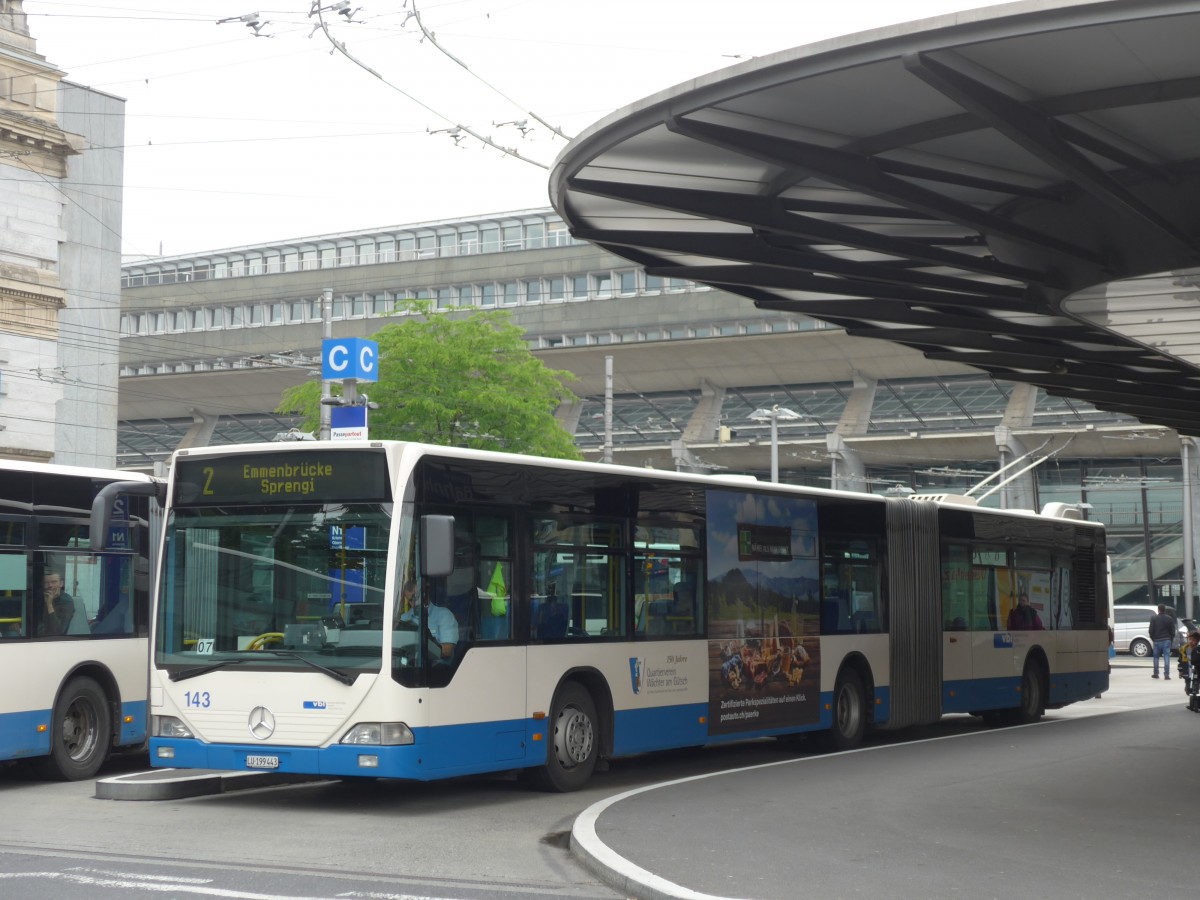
[[232, 139]]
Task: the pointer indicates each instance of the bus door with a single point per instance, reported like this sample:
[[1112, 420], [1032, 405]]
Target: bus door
[[968, 622]]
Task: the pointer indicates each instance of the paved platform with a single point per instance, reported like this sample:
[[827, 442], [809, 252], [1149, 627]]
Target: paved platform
[[745, 833]]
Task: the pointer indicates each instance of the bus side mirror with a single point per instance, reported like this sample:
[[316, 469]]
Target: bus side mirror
[[437, 546], [101, 520]]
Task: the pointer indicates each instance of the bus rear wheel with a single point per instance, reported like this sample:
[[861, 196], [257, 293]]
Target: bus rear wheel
[[1033, 696], [80, 732], [849, 714], [574, 742]]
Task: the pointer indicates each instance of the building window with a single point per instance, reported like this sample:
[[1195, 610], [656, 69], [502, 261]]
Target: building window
[[179, 320], [487, 294], [533, 291], [512, 237], [386, 248], [509, 293], [291, 261], [346, 255], [466, 295], [579, 287], [272, 263], [254, 265], [603, 283], [296, 311], [381, 305], [468, 240], [627, 282], [445, 298], [447, 243], [255, 314], [426, 246], [557, 234], [308, 259], [535, 235], [557, 289], [489, 236], [328, 257], [275, 313]]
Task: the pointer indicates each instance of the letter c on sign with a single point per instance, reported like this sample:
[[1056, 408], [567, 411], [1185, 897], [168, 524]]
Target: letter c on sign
[[366, 359], [337, 358]]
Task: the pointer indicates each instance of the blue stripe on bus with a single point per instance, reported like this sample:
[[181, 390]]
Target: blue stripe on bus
[[1005, 693], [19, 737], [133, 732], [453, 750]]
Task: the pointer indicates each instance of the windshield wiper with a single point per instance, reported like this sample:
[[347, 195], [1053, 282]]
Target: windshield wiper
[[336, 674], [183, 674]]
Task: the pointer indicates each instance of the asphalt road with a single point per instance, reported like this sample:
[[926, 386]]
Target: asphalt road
[[1062, 809]]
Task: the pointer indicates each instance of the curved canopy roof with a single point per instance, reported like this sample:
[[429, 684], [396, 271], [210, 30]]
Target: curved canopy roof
[[1015, 188]]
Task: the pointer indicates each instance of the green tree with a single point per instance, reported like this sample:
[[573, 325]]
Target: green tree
[[465, 381]]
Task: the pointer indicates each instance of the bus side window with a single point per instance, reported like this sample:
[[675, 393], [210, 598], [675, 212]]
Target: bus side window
[[13, 622]]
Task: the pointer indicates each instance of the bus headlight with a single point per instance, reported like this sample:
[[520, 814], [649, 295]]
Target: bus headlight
[[169, 727], [379, 734]]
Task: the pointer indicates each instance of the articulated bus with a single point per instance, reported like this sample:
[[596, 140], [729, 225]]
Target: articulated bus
[[73, 623], [396, 610]]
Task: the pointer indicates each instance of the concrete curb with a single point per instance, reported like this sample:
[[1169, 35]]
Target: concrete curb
[[177, 784]]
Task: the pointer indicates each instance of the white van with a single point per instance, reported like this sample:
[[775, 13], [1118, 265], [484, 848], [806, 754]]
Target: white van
[[1131, 629]]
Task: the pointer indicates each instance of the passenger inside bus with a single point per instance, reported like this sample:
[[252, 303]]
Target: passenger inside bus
[[550, 621], [59, 609]]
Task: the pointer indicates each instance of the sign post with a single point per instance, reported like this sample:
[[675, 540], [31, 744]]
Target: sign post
[[351, 360]]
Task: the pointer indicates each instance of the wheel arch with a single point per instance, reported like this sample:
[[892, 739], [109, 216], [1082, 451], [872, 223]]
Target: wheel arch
[[591, 680], [103, 676], [858, 662]]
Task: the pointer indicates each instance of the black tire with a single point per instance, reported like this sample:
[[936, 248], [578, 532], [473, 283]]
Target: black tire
[[573, 741], [1033, 696], [1139, 648], [849, 714], [80, 732]]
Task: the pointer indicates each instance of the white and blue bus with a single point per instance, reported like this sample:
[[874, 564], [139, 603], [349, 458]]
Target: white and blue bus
[[74, 624], [564, 613]]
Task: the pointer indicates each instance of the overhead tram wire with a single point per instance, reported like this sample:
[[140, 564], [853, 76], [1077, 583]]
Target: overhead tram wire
[[434, 41], [340, 47]]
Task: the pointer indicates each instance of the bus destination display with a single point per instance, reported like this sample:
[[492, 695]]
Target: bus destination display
[[294, 477]]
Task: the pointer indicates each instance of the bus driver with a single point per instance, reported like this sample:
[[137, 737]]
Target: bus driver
[[439, 621]]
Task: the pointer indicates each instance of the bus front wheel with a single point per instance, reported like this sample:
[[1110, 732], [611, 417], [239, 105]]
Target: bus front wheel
[[849, 713], [574, 742], [80, 732]]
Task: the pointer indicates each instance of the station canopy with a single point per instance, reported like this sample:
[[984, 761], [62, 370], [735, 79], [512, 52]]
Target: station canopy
[[1015, 188]]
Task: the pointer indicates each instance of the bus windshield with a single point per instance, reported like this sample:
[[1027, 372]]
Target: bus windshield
[[298, 586]]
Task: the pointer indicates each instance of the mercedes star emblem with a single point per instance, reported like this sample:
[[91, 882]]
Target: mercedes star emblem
[[262, 722]]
